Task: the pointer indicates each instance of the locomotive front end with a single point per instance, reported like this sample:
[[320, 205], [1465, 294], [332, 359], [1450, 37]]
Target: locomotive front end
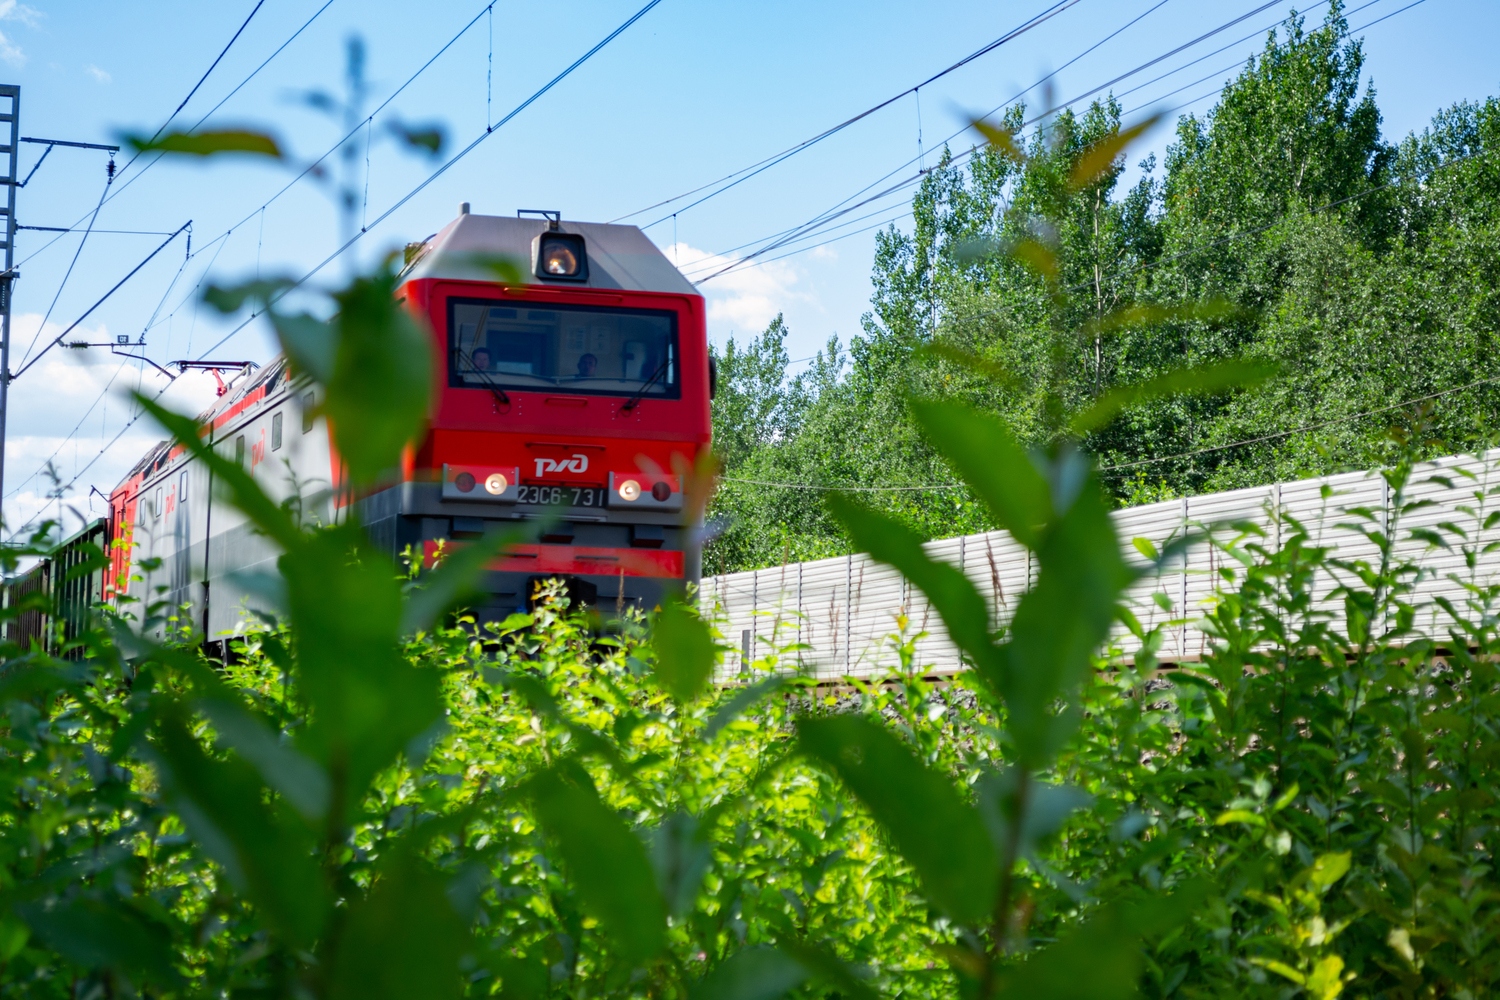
[[577, 398]]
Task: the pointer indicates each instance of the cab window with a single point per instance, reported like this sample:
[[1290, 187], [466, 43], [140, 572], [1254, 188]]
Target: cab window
[[568, 349]]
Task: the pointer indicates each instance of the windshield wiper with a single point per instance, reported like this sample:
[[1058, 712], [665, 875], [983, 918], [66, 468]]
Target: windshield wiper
[[495, 390], [640, 393]]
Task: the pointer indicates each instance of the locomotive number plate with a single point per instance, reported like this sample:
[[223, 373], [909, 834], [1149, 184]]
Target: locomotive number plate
[[563, 496]]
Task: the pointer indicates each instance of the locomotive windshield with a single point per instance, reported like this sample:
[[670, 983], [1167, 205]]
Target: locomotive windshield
[[557, 348]]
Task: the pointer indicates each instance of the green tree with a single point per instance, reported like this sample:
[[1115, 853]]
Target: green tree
[[1362, 270]]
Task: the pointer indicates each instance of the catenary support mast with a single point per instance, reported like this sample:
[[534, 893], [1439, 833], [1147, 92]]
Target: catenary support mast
[[9, 151]]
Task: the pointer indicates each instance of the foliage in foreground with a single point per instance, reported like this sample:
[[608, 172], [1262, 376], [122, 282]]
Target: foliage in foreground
[[1305, 813]]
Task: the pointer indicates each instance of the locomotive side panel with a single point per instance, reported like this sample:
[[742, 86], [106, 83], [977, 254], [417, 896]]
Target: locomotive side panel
[[287, 453], [183, 547]]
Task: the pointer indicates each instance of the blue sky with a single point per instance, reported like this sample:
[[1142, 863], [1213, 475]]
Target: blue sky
[[690, 93]]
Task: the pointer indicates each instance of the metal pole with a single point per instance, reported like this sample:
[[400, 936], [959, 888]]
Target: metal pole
[[8, 276]]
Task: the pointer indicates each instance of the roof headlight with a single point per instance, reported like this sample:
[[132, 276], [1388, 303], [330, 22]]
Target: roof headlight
[[561, 256], [560, 261]]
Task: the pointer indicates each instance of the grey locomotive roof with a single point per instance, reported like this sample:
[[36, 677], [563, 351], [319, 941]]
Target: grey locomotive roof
[[619, 256]]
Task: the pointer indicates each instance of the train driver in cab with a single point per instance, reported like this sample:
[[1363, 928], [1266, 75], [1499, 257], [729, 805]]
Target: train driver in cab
[[587, 366]]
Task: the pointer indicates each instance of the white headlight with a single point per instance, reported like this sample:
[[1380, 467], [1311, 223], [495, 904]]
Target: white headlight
[[495, 484], [630, 490]]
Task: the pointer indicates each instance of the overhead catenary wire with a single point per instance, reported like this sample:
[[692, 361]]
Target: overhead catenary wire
[[352, 133], [745, 173], [102, 299], [1243, 62], [201, 80], [1014, 98], [66, 275], [489, 130], [191, 295], [128, 181], [790, 235], [223, 236], [100, 232], [422, 185], [822, 217]]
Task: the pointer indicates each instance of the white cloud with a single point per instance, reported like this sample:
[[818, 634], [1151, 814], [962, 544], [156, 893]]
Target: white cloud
[[13, 10], [97, 73], [745, 299], [11, 52], [87, 390]]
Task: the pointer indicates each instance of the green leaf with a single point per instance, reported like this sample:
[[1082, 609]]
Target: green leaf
[[207, 143], [1059, 624], [309, 343], [756, 973], [1036, 257], [1047, 808], [428, 138], [823, 964], [97, 934], [995, 466], [368, 704], [1244, 816], [1326, 979], [454, 579], [1146, 547], [1096, 160], [267, 853], [523, 976], [1281, 969], [954, 595], [680, 855], [504, 268], [302, 782], [1182, 381], [740, 703], [377, 395], [13, 937], [1102, 958], [232, 298], [1329, 868], [684, 649], [604, 860], [1000, 138], [1286, 798], [968, 359], [1099, 960], [942, 837], [403, 940]]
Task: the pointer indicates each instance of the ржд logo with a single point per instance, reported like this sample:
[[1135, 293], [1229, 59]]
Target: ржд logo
[[578, 463]]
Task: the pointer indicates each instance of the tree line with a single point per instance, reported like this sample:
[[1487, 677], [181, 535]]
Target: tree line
[[1361, 272]]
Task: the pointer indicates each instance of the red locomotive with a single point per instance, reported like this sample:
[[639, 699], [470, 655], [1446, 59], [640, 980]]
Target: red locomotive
[[577, 399]]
